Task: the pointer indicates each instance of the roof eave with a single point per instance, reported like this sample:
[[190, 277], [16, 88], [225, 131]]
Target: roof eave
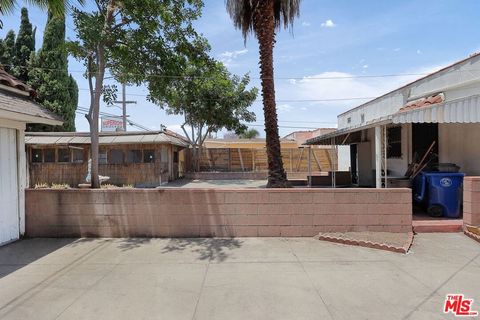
[[21, 117]]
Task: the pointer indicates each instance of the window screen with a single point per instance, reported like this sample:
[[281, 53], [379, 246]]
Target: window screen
[[63, 155], [149, 156], [49, 155], [134, 156], [77, 155], [394, 142], [116, 156], [37, 155], [102, 156]]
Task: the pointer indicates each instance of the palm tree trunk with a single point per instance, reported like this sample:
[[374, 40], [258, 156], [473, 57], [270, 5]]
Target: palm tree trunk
[[264, 27]]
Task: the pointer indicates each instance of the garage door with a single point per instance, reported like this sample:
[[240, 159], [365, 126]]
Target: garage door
[[9, 218]]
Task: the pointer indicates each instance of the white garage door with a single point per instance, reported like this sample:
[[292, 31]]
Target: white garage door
[[9, 218]]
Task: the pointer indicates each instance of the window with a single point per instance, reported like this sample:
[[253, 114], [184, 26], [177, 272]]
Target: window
[[175, 157], [63, 155], [116, 156], [149, 156], [77, 155], [362, 117], [37, 155], [349, 120], [49, 155], [164, 155], [134, 156], [394, 136], [102, 156]]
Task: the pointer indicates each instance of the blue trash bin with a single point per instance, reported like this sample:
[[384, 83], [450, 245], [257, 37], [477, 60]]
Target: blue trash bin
[[439, 193]]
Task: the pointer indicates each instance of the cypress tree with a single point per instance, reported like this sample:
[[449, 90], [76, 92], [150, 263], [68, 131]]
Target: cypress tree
[[24, 47], [56, 89], [7, 51]]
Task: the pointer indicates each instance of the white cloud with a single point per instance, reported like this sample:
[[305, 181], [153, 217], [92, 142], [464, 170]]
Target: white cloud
[[329, 93], [396, 49], [228, 57], [284, 108], [328, 24], [419, 51], [306, 24], [365, 66]]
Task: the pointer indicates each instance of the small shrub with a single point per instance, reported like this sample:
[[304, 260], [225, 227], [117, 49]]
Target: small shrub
[[60, 186], [41, 185], [128, 186], [109, 186]]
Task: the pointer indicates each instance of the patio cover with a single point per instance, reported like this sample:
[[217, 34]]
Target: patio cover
[[464, 110]]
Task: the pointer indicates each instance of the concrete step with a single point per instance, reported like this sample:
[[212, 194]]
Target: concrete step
[[441, 226]]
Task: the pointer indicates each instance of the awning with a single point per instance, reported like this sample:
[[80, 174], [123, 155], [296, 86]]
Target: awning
[[465, 110], [345, 136]]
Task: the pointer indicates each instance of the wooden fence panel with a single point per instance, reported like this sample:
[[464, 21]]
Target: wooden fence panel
[[255, 160]]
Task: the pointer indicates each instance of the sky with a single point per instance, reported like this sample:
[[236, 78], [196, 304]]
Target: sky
[[339, 54]]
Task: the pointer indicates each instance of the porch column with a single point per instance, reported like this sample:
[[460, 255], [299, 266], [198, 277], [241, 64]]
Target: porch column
[[309, 166], [378, 157]]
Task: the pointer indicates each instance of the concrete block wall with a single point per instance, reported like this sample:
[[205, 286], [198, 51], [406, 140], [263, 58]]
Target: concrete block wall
[[471, 201], [219, 213]]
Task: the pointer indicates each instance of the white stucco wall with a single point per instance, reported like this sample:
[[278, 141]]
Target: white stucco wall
[[343, 158], [457, 81], [460, 144]]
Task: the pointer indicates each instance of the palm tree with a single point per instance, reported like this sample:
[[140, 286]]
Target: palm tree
[[249, 134], [57, 7], [262, 18]]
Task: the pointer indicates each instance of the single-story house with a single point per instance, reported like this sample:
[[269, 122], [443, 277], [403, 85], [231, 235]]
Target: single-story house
[[140, 159], [17, 108], [435, 119]]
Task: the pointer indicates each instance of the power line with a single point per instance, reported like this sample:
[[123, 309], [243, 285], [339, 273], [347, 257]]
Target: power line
[[282, 127], [135, 124], [279, 100], [81, 111], [259, 78]]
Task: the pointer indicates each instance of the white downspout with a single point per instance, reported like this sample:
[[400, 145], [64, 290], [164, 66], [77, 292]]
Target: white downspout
[[378, 157]]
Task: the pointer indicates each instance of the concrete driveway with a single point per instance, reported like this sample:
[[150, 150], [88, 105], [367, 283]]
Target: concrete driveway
[[254, 278]]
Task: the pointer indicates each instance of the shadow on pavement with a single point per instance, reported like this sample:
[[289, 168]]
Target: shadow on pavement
[[19, 254], [208, 249]]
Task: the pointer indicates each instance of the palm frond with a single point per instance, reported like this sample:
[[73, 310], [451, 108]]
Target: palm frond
[[6, 6], [57, 7], [242, 12]]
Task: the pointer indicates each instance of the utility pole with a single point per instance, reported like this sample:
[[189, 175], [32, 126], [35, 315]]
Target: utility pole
[[124, 103]]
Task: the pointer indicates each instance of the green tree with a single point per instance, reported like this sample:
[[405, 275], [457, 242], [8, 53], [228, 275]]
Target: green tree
[[210, 99], [249, 134], [7, 52], [135, 43], [56, 89], [24, 47], [262, 18]]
